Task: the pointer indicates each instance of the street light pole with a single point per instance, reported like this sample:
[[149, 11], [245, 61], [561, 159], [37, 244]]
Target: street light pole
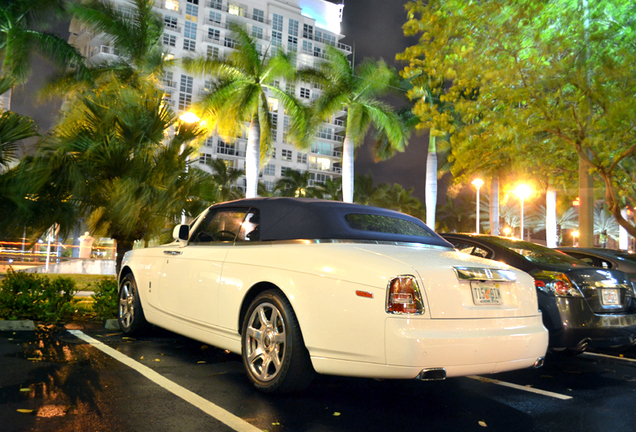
[[523, 191], [478, 183]]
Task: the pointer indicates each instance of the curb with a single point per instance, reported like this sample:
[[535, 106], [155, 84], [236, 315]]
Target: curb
[[17, 325]]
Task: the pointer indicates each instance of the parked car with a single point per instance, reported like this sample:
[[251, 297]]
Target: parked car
[[298, 286], [582, 306], [605, 258]]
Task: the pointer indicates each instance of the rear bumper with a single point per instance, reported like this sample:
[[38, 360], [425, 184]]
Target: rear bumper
[[461, 347], [580, 326]]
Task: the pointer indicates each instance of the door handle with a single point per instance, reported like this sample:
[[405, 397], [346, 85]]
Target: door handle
[[168, 252]]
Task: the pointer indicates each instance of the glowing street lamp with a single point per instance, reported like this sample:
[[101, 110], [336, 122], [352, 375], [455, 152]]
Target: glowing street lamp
[[522, 191], [507, 231], [575, 238], [477, 183]]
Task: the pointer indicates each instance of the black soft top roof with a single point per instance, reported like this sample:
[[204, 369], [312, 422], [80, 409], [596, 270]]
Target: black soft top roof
[[314, 219]]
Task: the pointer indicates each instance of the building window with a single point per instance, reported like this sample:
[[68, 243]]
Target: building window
[[189, 45], [270, 169], [216, 4], [293, 27], [305, 93], [286, 155], [214, 35], [190, 30], [229, 42], [292, 43], [301, 158], [308, 31], [237, 10], [277, 38], [321, 148], [226, 148], [257, 32], [192, 12], [290, 88], [213, 52], [169, 40], [324, 132], [269, 185], [186, 83], [316, 178], [274, 123], [205, 158], [307, 47], [273, 153], [283, 170], [259, 15], [172, 5], [185, 101], [215, 17], [171, 23], [277, 23], [209, 142]]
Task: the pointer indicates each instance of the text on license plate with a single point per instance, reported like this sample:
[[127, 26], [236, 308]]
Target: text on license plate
[[610, 297], [486, 293]]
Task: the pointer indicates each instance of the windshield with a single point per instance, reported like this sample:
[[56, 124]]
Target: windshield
[[536, 253]]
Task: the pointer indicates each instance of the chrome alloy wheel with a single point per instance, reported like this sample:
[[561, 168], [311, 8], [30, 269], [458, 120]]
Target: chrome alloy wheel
[[265, 342], [127, 304]]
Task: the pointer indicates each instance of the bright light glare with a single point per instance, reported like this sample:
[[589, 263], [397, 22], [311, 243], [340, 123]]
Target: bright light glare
[[189, 117], [477, 183], [523, 191]]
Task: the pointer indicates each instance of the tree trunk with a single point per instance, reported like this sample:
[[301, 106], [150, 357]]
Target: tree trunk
[[122, 246], [494, 206], [347, 170], [252, 158], [430, 191], [551, 218], [586, 206]]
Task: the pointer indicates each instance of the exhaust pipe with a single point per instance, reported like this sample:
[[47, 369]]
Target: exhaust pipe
[[540, 361], [432, 374]]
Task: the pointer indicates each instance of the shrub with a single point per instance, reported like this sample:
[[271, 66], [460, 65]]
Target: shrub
[[35, 297], [105, 298]]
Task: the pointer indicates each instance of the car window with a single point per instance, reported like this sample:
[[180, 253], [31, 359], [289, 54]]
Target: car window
[[219, 226], [471, 249], [385, 224], [250, 227], [536, 253]]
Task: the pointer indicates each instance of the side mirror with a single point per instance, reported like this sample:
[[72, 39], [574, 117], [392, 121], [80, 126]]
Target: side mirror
[[181, 233]]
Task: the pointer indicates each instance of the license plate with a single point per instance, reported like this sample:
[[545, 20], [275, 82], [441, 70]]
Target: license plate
[[486, 293], [610, 297]]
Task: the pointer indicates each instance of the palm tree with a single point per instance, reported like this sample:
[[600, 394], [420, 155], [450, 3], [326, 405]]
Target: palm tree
[[356, 92], [21, 22], [13, 129], [402, 200], [225, 179], [605, 225], [294, 184], [243, 81], [330, 189]]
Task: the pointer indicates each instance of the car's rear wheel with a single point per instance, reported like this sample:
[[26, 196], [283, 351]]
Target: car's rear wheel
[[130, 314], [274, 353]]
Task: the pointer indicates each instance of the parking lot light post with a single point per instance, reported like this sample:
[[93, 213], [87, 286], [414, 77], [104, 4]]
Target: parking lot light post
[[478, 183], [523, 192]]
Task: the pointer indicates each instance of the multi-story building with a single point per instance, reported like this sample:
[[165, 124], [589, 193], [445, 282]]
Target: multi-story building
[[196, 27]]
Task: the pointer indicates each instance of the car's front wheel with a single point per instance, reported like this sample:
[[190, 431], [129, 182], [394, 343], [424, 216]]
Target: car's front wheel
[[129, 311], [274, 353]]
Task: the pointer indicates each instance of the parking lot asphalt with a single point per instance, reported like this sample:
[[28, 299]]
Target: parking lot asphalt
[[58, 378]]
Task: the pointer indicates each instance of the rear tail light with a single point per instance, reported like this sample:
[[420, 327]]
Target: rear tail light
[[404, 296], [557, 283]]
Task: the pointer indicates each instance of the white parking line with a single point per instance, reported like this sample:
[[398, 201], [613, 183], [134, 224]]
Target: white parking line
[[591, 354], [203, 404], [520, 387]]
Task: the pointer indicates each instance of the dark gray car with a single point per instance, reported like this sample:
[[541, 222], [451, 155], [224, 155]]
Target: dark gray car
[[581, 305], [605, 258]]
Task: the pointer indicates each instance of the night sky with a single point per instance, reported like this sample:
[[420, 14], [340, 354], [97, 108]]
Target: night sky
[[372, 27]]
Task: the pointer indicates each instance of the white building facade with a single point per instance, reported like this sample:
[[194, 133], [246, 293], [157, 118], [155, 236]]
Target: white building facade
[[203, 27]]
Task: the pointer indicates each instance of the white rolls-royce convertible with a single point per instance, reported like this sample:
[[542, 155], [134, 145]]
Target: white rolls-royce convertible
[[302, 286]]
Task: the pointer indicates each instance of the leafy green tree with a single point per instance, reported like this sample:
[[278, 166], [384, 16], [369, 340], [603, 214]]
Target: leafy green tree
[[225, 179], [21, 35], [243, 81], [545, 84], [13, 129], [356, 92], [330, 189], [402, 200]]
